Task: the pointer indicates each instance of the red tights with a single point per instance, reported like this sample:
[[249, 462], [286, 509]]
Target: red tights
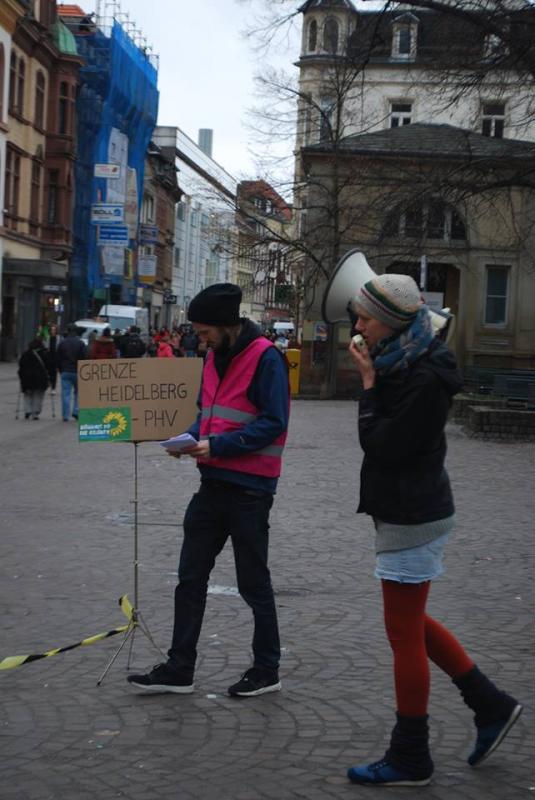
[[414, 637]]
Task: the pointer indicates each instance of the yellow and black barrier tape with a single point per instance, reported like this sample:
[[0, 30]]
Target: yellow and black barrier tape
[[10, 662]]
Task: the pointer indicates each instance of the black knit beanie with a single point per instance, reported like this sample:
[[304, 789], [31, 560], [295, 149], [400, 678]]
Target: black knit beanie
[[218, 304]]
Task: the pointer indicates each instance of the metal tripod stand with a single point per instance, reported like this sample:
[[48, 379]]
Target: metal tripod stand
[[136, 620]]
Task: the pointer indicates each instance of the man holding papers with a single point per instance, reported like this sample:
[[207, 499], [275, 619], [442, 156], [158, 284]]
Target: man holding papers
[[239, 438]]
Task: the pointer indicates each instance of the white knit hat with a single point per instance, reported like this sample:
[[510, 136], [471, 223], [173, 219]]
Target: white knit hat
[[392, 299]]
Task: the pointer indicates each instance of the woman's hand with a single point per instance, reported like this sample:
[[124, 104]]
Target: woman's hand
[[361, 358]]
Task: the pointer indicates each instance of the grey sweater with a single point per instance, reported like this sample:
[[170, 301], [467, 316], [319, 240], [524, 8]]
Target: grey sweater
[[402, 537]]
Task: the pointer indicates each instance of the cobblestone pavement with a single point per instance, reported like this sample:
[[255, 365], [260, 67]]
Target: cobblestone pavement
[[66, 552]]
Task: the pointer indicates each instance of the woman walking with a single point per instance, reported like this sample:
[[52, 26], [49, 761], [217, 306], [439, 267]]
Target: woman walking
[[103, 346], [34, 374], [409, 378]]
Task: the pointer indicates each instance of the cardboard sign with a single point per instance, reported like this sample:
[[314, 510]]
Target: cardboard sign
[[137, 399]]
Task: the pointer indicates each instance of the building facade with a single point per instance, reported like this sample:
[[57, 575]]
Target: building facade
[[40, 152], [406, 120], [161, 193], [205, 225], [9, 14], [264, 266], [116, 111]]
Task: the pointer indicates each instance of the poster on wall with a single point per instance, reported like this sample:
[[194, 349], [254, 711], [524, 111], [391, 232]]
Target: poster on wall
[[320, 331], [112, 260], [137, 399], [434, 300], [117, 154], [146, 267], [131, 209]]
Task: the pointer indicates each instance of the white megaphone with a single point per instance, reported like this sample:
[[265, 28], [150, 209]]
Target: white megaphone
[[349, 276]]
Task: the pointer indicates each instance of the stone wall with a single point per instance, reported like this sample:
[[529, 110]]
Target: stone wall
[[499, 424]]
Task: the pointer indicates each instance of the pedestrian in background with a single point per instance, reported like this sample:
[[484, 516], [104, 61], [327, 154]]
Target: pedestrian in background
[[70, 351], [164, 347], [175, 340], [34, 375], [132, 345], [190, 343], [409, 378], [91, 337], [103, 346], [117, 336], [53, 342], [241, 431]]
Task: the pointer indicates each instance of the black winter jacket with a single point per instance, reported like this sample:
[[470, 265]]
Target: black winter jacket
[[70, 350], [34, 369], [401, 427]]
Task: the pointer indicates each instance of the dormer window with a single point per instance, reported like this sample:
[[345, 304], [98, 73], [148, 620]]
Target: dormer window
[[404, 37], [404, 40], [493, 48], [312, 36], [330, 35]]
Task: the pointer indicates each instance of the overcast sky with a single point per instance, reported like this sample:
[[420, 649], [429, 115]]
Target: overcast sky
[[206, 69]]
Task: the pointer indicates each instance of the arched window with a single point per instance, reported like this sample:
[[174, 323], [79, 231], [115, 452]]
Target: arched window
[[330, 35], [2, 73], [53, 209], [63, 108], [12, 83], [312, 36], [12, 187], [39, 116], [433, 219], [35, 198], [405, 37], [20, 85]]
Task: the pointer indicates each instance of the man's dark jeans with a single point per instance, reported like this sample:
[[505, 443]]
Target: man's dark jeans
[[217, 511]]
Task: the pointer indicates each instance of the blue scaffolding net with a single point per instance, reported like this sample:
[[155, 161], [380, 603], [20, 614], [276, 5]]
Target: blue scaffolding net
[[117, 109]]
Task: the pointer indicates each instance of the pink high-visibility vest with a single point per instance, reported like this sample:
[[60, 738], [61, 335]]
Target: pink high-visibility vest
[[226, 407]]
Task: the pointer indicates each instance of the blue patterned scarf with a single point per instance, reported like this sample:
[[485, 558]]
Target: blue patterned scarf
[[398, 351]]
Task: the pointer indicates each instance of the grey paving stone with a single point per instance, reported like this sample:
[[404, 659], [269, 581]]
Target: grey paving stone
[[66, 552]]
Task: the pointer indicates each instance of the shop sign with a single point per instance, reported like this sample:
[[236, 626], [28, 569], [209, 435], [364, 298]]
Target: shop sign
[[148, 234], [107, 213], [109, 171]]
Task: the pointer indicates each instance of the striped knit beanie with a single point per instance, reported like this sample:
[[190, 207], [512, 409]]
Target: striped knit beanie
[[392, 299]]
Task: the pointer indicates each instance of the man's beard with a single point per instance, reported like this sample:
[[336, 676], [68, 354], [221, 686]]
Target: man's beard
[[224, 345]]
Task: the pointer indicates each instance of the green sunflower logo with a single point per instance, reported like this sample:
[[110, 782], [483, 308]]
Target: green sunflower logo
[[118, 421]]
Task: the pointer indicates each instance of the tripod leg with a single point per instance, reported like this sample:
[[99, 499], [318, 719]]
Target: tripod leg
[[130, 649], [144, 628], [129, 633]]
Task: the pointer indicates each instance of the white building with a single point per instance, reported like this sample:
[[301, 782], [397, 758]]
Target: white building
[[395, 108], [205, 229], [405, 67]]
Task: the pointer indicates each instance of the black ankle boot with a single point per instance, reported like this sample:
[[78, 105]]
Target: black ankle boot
[[495, 712], [489, 703], [409, 746]]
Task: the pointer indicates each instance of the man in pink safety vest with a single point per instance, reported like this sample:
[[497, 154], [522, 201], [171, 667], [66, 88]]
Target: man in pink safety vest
[[240, 431]]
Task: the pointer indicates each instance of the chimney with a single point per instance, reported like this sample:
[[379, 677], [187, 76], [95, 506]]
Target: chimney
[[206, 136]]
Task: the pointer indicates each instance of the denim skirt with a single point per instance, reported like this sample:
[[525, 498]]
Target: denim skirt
[[414, 565]]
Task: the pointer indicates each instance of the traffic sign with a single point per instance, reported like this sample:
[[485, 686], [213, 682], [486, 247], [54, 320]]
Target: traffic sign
[[113, 235], [171, 299]]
